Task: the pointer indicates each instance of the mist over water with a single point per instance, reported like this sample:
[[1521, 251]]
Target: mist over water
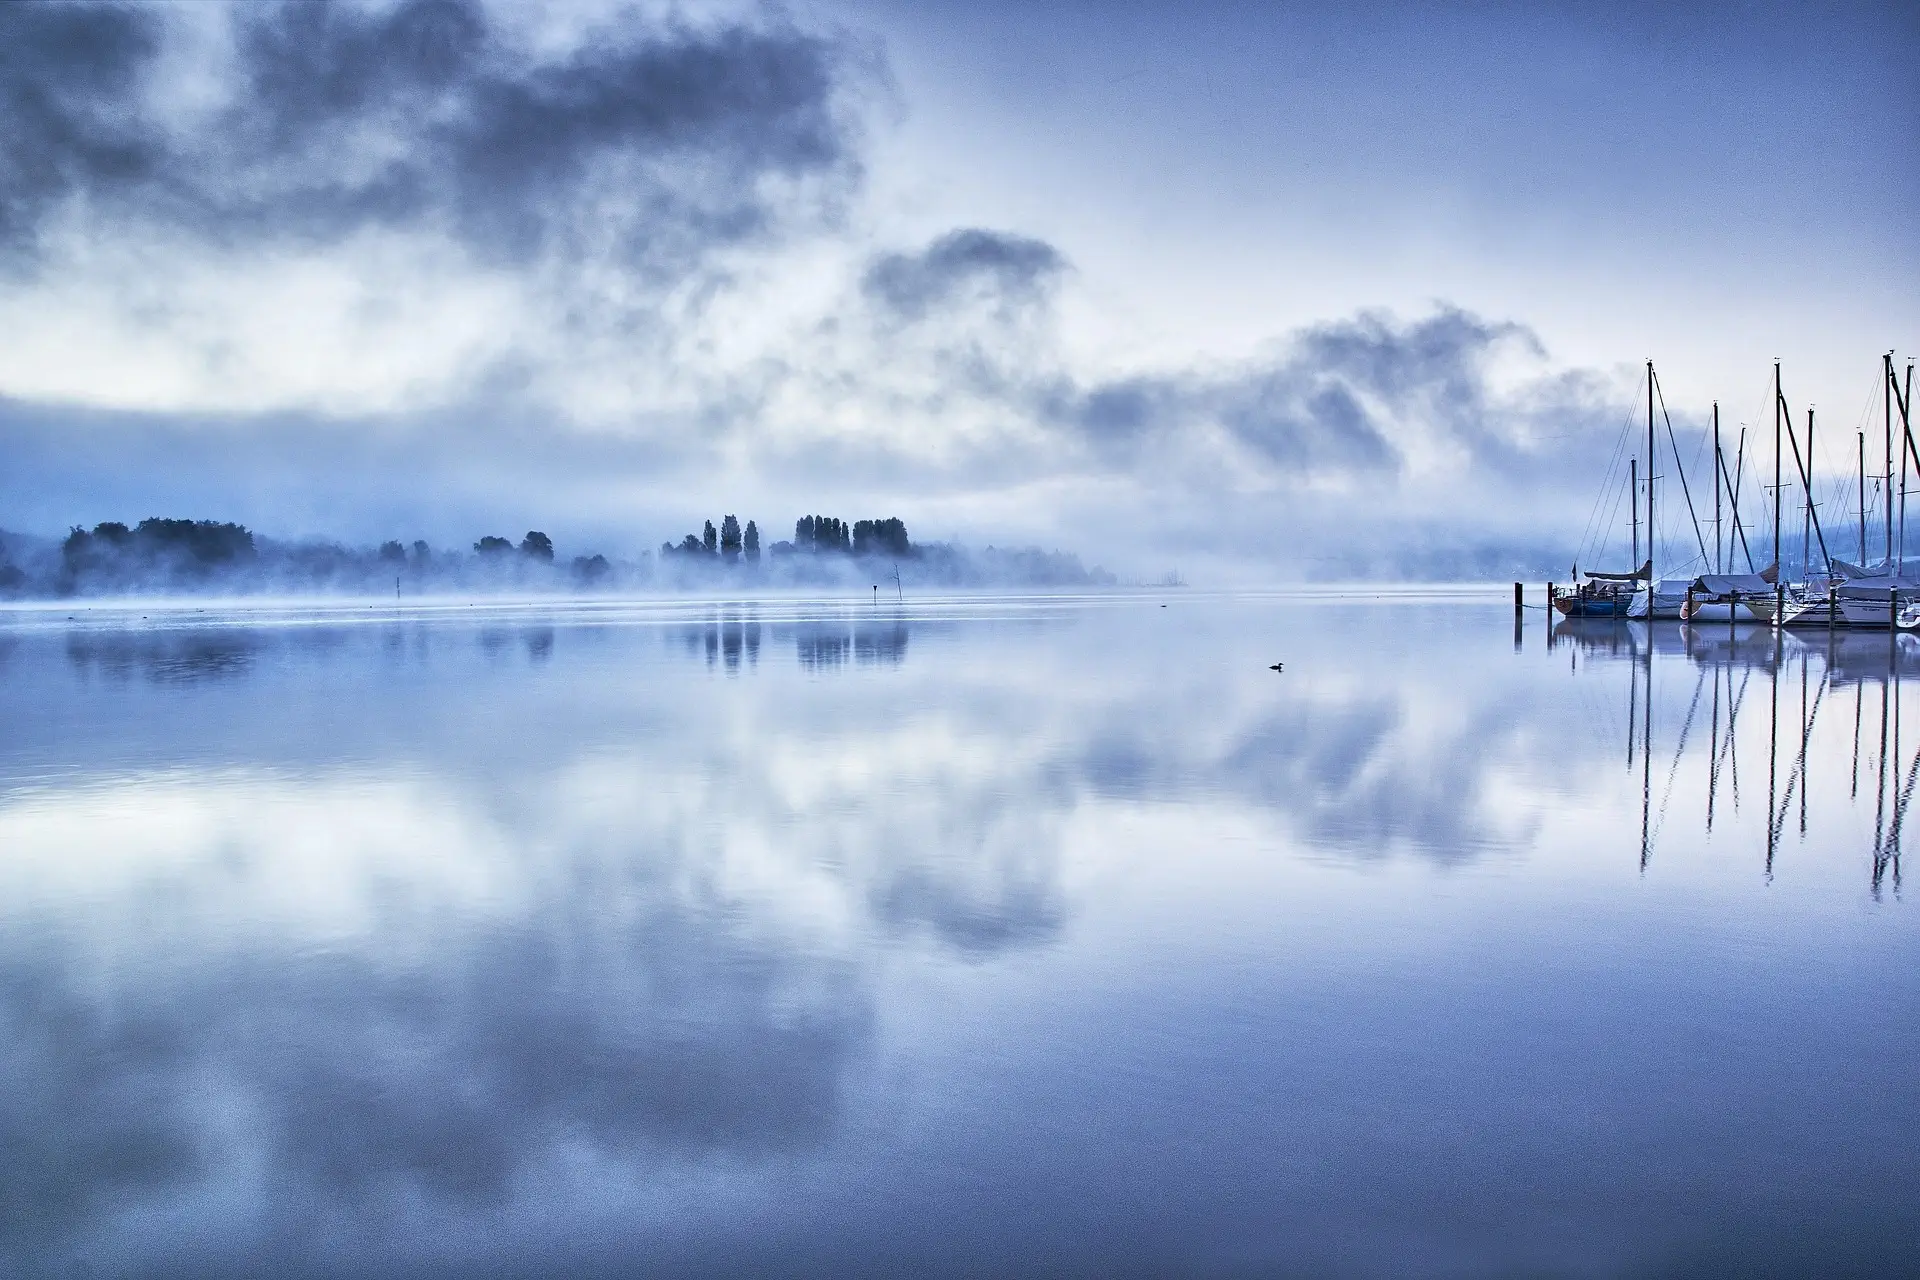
[[952, 934]]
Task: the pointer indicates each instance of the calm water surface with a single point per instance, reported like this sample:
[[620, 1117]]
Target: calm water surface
[[958, 936]]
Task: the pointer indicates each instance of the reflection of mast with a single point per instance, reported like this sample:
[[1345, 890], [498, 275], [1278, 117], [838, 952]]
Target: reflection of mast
[[1806, 732], [1646, 743], [1796, 781], [1773, 724], [1857, 696], [1679, 750], [1633, 709], [1713, 741], [1889, 853], [1880, 801], [1733, 729]]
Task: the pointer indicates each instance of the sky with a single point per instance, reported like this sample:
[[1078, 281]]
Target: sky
[[1239, 288]]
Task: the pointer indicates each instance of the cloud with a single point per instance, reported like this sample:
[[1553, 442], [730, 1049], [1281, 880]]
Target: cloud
[[275, 262], [1007, 269], [646, 142]]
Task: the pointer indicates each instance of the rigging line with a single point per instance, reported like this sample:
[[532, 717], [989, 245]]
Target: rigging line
[[1675, 445], [1613, 513], [1739, 478], [1812, 511], [1673, 770], [1733, 483], [1613, 462]]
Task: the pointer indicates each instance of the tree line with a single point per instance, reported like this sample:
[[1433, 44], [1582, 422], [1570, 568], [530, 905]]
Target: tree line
[[812, 535], [191, 556]]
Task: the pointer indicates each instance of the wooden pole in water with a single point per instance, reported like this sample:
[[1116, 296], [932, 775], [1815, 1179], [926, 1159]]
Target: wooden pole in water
[[1518, 599]]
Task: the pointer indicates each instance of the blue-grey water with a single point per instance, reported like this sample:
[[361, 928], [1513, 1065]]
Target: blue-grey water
[[969, 936]]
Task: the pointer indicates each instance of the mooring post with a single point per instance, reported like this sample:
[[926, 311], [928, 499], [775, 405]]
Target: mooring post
[[1518, 599]]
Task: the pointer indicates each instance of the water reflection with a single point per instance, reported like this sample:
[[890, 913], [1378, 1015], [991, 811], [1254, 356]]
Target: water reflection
[[1794, 678], [739, 937], [165, 657], [829, 646]]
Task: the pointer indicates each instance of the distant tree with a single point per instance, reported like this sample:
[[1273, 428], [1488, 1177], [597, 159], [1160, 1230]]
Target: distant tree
[[692, 546], [537, 546], [492, 546], [710, 539], [753, 543], [588, 570], [205, 543], [880, 537], [821, 533], [421, 551], [730, 538], [393, 553]]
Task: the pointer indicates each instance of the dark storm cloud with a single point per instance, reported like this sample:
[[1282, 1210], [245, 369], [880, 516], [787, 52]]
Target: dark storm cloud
[[647, 141], [1340, 397], [962, 264]]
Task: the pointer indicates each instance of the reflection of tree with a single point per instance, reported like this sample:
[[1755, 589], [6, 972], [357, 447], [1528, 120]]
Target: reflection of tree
[[164, 656], [828, 646]]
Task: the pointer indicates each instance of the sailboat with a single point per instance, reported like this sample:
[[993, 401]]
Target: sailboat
[[1602, 595], [1853, 595], [1665, 600]]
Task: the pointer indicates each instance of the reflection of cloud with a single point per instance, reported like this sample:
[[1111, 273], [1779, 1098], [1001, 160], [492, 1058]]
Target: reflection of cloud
[[364, 981], [403, 961], [1359, 780]]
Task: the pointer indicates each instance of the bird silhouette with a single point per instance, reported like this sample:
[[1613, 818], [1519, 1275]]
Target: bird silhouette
[[1278, 666]]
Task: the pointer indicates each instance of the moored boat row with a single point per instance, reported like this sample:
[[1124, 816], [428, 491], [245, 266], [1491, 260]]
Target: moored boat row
[[1830, 592]]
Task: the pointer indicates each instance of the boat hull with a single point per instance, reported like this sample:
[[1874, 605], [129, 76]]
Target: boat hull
[[1576, 607], [1855, 615], [1730, 611]]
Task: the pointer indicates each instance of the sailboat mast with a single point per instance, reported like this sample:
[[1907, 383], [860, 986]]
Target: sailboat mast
[[1719, 564], [1633, 500], [1779, 579], [1863, 497], [1905, 426], [1886, 494], [1806, 516], [1650, 469]]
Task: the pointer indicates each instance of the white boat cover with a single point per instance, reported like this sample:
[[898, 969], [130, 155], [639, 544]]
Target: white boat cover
[[1880, 589], [1725, 584]]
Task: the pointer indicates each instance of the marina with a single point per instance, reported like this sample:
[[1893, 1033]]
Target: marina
[[1827, 592]]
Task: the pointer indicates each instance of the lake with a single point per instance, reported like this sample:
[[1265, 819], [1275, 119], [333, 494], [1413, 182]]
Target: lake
[[963, 936]]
